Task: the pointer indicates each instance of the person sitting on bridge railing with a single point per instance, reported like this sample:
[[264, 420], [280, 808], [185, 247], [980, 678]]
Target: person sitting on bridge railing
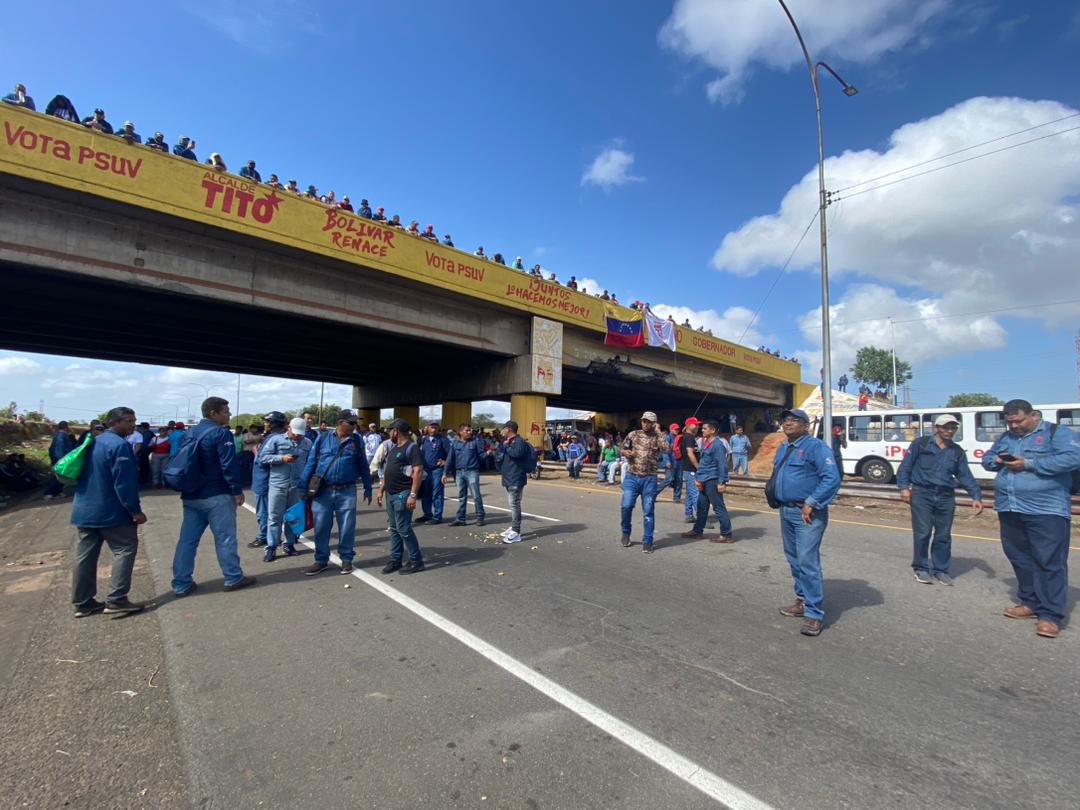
[[498, 259], [480, 252], [552, 278], [329, 198], [97, 121], [217, 162], [379, 215], [395, 222], [447, 240], [185, 148], [293, 187], [249, 171], [19, 98], [345, 204], [536, 271], [429, 234], [518, 264], [312, 193], [128, 133], [414, 228], [61, 107], [365, 209], [273, 182], [158, 143], [572, 283]]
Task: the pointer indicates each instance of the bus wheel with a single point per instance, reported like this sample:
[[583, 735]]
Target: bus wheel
[[876, 471]]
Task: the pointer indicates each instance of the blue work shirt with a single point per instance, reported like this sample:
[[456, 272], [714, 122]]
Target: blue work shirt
[[1042, 487], [217, 460], [260, 473], [350, 466], [574, 451], [62, 444], [464, 455], [712, 460], [434, 449], [740, 445], [184, 152], [809, 475], [930, 466], [108, 490], [283, 475], [251, 174], [175, 438]]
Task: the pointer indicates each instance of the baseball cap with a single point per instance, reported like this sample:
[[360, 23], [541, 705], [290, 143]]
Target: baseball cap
[[693, 420], [673, 426], [400, 425], [511, 424], [649, 415], [946, 419], [347, 415], [298, 425], [798, 413], [180, 425], [433, 423]]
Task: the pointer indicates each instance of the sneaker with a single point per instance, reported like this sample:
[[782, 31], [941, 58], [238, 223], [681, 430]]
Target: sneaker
[[243, 583], [89, 609], [435, 521], [124, 606], [923, 578], [412, 568], [315, 568], [943, 578], [188, 591], [289, 550], [505, 532], [456, 522], [257, 543], [270, 554], [512, 537], [625, 541], [391, 567], [346, 568], [646, 548], [479, 521], [794, 610]]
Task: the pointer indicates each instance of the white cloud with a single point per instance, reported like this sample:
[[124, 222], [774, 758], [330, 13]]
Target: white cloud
[[611, 168], [18, 365], [590, 285], [735, 35], [729, 324]]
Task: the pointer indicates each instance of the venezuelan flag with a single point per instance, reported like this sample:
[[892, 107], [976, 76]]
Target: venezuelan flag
[[628, 332]]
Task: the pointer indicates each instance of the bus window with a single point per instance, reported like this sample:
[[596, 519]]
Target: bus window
[[989, 425], [902, 427], [1069, 416], [864, 429], [928, 425]]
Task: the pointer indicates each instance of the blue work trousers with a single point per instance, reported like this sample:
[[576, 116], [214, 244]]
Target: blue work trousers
[[262, 513], [219, 513], [802, 547], [690, 503], [645, 487], [402, 536], [432, 493], [740, 463], [932, 510], [278, 501], [1038, 548], [469, 481], [710, 495], [335, 502]]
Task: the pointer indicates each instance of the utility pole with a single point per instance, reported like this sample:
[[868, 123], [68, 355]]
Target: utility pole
[[892, 327], [1078, 366]]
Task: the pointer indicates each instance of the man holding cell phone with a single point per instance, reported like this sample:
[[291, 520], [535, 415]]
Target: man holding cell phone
[[643, 449]]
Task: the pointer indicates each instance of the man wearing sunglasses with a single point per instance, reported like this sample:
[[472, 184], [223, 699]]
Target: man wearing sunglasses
[[928, 476]]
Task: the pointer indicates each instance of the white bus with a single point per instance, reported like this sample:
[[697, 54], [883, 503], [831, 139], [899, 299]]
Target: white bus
[[878, 440]]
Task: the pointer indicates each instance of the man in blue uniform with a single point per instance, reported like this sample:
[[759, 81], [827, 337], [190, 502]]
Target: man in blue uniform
[[1035, 461], [434, 450], [466, 457], [927, 478], [340, 460], [805, 481], [740, 452]]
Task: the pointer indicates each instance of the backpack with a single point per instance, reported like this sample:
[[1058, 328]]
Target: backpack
[[1074, 488], [529, 464], [677, 448], [183, 471]]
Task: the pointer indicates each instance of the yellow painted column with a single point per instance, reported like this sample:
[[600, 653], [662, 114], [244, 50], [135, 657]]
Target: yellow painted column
[[410, 413], [455, 414], [530, 412], [367, 416]]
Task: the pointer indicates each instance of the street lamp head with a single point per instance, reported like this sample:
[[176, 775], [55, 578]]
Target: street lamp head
[[850, 90]]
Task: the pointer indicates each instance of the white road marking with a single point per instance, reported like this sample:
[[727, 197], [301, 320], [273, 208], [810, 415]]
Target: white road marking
[[524, 514], [689, 771]]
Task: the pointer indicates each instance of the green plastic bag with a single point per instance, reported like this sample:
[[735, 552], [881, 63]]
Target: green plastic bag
[[68, 469]]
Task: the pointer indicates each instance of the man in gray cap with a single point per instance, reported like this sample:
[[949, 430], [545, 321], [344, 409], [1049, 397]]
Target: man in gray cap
[[642, 449], [803, 482], [402, 476], [927, 478]]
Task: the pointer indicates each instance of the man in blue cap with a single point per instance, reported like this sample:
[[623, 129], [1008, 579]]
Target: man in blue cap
[[804, 481]]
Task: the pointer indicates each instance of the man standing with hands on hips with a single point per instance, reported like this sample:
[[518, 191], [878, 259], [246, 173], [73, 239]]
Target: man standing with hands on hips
[[401, 480], [927, 479], [803, 483]]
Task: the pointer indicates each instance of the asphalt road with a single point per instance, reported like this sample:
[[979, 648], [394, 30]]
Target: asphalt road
[[569, 672]]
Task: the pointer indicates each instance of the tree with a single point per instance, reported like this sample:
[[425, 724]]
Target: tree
[[9, 411], [874, 367], [484, 420], [35, 416], [972, 400], [330, 413]]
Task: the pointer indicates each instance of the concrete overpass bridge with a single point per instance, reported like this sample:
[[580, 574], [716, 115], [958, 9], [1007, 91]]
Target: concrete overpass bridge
[[119, 252]]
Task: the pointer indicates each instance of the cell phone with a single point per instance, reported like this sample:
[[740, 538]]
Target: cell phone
[[1006, 456]]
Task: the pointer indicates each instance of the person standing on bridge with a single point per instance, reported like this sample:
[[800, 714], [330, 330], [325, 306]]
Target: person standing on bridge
[[466, 457], [1035, 462], [338, 459], [434, 450], [712, 478], [927, 478], [740, 452], [643, 449], [212, 460], [804, 482], [107, 510]]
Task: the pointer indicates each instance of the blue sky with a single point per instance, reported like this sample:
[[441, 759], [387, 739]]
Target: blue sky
[[485, 119]]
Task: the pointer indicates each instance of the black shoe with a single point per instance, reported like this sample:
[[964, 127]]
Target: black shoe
[[412, 568], [435, 521], [625, 541], [479, 521], [245, 582], [391, 567], [421, 519], [270, 554], [289, 550], [94, 606], [346, 568], [315, 568], [456, 522], [124, 607], [646, 548], [188, 592], [256, 543]]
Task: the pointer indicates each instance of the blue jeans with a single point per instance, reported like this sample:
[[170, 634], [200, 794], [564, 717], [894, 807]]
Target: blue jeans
[[632, 487], [469, 481], [932, 513], [219, 513], [432, 492], [741, 463], [690, 482], [573, 466], [676, 481], [262, 513], [333, 503], [402, 536], [712, 497], [278, 501], [802, 547], [669, 480], [1038, 548]]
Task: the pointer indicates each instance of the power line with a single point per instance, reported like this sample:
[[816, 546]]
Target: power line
[[957, 152], [950, 165]]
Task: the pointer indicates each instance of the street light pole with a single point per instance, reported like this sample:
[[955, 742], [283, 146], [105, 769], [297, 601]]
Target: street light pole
[[823, 201]]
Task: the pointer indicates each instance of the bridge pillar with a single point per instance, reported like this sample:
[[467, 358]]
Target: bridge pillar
[[456, 413], [410, 413], [367, 416], [530, 412]]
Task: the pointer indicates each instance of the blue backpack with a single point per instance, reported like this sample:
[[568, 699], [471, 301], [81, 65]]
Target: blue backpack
[[183, 472]]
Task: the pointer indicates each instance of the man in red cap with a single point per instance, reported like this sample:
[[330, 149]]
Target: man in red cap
[[676, 462], [688, 448]]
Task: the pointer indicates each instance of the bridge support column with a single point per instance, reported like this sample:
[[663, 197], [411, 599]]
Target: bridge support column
[[456, 413], [367, 416], [410, 413], [530, 412]]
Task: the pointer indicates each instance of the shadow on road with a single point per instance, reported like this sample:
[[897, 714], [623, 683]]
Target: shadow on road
[[843, 595], [965, 565]]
